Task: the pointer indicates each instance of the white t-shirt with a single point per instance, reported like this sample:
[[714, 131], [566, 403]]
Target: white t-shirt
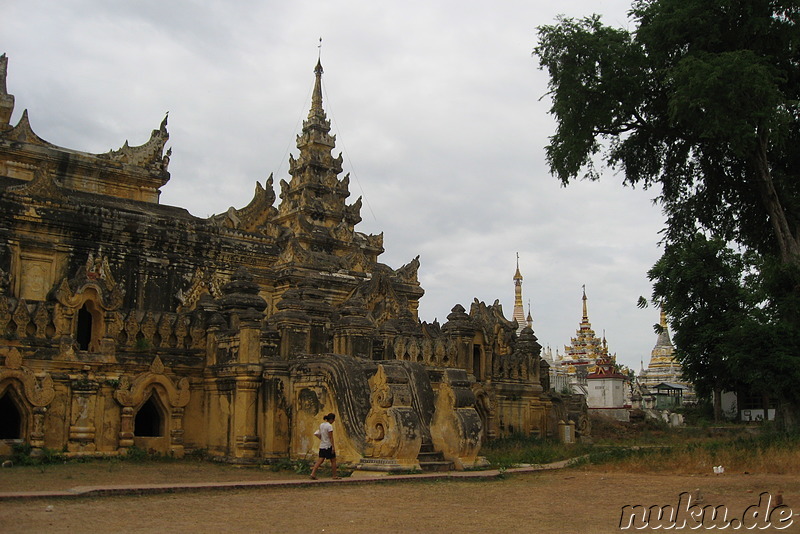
[[325, 431]]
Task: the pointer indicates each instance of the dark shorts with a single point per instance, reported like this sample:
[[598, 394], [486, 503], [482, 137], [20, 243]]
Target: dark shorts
[[328, 454]]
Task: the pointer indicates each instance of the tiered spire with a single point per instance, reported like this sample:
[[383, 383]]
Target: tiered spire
[[586, 345], [313, 202], [519, 312], [6, 100], [663, 366], [663, 352]]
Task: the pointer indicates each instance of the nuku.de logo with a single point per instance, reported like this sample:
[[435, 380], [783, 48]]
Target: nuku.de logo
[[765, 514]]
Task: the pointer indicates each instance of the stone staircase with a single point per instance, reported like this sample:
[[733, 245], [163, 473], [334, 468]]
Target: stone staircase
[[432, 461]]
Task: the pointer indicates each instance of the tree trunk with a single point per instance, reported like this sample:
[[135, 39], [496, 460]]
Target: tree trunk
[[787, 415], [785, 235], [717, 404]]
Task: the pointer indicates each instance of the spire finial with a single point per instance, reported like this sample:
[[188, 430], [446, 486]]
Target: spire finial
[[517, 275], [316, 96], [585, 312]]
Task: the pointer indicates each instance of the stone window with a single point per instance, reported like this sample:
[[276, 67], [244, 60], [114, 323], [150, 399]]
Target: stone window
[[84, 331], [477, 370], [89, 326]]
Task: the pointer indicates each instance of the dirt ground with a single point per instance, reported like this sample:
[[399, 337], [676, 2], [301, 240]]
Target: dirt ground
[[577, 500]]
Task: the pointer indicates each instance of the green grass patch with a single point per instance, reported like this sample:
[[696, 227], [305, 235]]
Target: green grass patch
[[520, 449]]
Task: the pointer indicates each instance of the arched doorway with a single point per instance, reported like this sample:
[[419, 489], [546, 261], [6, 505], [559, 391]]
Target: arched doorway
[[151, 425], [10, 418], [149, 421]]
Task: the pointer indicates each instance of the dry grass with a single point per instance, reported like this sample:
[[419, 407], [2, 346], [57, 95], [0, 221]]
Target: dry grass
[[659, 449], [696, 461]]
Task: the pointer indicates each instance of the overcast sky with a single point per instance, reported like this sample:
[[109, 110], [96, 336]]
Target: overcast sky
[[439, 109]]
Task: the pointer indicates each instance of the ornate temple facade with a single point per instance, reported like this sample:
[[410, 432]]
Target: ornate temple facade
[[580, 358], [127, 323]]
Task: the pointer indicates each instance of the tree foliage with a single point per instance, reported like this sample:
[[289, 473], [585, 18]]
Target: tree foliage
[[702, 98], [698, 282], [729, 333]]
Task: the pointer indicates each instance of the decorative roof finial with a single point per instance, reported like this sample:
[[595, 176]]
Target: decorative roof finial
[[529, 318], [316, 97], [6, 100], [163, 126], [585, 311]]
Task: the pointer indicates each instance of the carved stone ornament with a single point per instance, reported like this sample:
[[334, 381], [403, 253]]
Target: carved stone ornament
[[392, 426], [38, 392], [131, 393], [13, 358], [456, 428], [150, 155], [42, 185], [95, 273], [23, 133]]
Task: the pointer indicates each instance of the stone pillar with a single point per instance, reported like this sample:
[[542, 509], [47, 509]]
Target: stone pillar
[[275, 438], [214, 324], [125, 429], [566, 431], [245, 406], [250, 336], [37, 431], [82, 430], [176, 433], [460, 328], [354, 332]]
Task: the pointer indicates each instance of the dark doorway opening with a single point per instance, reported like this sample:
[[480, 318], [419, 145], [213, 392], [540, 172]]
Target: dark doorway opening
[[84, 334], [10, 419], [477, 369], [149, 421]]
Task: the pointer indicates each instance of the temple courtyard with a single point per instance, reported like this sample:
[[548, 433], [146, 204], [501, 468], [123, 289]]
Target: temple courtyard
[[577, 499]]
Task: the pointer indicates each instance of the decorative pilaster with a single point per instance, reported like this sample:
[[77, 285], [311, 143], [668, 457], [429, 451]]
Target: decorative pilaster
[[244, 417], [82, 430]]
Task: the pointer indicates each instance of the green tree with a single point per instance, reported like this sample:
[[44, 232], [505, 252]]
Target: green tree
[[699, 284], [700, 98]]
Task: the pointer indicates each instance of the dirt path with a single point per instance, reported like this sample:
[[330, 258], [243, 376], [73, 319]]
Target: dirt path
[[564, 501]]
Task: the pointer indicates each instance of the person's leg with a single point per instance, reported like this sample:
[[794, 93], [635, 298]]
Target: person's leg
[[316, 466], [333, 467]]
